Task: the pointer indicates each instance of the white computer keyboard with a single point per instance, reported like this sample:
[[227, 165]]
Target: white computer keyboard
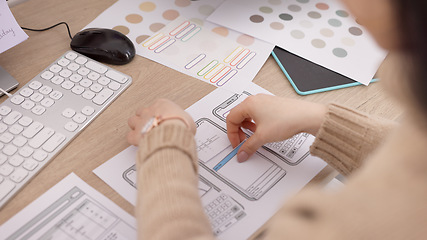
[[42, 117]]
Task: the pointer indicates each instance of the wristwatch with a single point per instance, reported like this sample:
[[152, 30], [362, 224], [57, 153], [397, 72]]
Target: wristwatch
[[155, 121]]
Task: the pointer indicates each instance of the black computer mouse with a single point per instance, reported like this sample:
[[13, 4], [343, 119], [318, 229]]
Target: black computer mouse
[[104, 45]]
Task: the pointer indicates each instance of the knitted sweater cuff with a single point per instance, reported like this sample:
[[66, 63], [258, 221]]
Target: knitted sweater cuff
[[345, 138], [168, 136]]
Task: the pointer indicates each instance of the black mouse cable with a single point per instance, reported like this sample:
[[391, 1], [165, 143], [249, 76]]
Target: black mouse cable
[[44, 29]]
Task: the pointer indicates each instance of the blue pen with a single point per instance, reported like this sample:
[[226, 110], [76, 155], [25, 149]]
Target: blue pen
[[228, 157]]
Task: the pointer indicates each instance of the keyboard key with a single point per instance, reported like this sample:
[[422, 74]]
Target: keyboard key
[[6, 137], [104, 81], [76, 78], [12, 117], [45, 90], [4, 110], [114, 86], [57, 80], [71, 126], [79, 118], [35, 85], [17, 99], [47, 102], [26, 151], [10, 150], [36, 97], [16, 160], [56, 95], [30, 164], [26, 92], [96, 88], [73, 67], [38, 110], [88, 95], [19, 175], [87, 110], [86, 82], [93, 76], [16, 129], [6, 169], [40, 155], [83, 71], [96, 67], [54, 142], [63, 62], [47, 75], [32, 130], [27, 104], [71, 55], [67, 85], [55, 68], [65, 73], [103, 96], [77, 90], [3, 127], [3, 158], [81, 60], [41, 137], [118, 77], [68, 113], [5, 188], [19, 141], [25, 121]]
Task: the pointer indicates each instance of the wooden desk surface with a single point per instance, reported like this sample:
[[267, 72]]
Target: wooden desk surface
[[106, 136]]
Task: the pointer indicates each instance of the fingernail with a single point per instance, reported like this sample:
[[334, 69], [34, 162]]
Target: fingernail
[[242, 156]]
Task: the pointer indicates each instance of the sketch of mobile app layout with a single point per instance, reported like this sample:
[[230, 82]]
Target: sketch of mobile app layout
[[71, 210], [252, 178], [292, 151], [207, 52]]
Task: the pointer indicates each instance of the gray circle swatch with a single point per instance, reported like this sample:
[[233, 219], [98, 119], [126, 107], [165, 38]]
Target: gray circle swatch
[[297, 34], [275, 2], [339, 52], [318, 43], [314, 15], [286, 17], [302, 1], [342, 13], [266, 9], [327, 32], [294, 8], [355, 31], [334, 22]]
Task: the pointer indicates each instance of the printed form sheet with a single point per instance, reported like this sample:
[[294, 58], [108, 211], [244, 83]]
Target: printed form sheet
[[238, 197], [71, 210], [175, 34], [321, 31]]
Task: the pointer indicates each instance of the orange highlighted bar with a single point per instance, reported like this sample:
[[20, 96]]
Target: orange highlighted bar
[[233, 54], [158, 43], [220, 74], [179, 28], [246, 60], [240, 57]]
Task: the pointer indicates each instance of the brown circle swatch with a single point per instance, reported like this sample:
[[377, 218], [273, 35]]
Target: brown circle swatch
[[277, 26], [147, 6], [256, 18], [134, 18], [141, 38], [182, 3], [222, 31], [123, 29], [170, 14], [156, 27], [245, 40]]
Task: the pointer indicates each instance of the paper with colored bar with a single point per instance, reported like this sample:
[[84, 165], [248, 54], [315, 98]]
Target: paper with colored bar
[[199, 51]]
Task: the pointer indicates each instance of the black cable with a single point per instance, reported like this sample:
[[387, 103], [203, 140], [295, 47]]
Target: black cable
[[44, 29]]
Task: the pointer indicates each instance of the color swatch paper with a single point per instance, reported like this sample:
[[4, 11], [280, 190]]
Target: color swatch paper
[[320, 31]]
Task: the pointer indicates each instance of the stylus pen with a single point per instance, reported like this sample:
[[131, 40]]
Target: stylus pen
[[228, 157]]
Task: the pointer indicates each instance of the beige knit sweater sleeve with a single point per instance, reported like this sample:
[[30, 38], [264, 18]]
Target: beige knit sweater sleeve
[[168, 205], [347, 137]]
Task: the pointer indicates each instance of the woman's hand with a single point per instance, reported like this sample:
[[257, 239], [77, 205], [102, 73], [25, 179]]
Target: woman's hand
[[161, 108], [271, 119]]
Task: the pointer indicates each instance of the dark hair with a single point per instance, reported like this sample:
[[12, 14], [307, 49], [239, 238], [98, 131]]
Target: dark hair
[[413, 28]]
